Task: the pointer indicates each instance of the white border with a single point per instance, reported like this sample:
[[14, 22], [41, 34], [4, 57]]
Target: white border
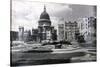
[[5, 32]]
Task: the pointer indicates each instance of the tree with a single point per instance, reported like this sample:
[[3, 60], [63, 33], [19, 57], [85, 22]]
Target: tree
[[81, 39]]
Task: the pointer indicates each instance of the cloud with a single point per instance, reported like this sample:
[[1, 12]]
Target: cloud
[[27, 13]]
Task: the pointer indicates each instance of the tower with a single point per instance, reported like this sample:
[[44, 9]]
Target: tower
[[21, 33]]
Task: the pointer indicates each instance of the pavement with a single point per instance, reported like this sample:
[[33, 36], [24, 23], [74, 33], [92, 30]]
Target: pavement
[[30, 58]]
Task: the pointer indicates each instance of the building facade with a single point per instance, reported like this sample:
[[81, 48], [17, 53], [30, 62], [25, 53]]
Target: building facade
[[71, 29], [61, 32], [35, 35], [45, 30], [27, 36], [67, 31], [83, 27], [91, 28], [87, 27], [21, 34], [13, 35]]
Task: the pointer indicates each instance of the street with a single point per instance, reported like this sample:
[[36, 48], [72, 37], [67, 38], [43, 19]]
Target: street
[[22, 56]]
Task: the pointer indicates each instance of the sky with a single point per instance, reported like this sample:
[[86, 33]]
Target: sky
[[26, 13]]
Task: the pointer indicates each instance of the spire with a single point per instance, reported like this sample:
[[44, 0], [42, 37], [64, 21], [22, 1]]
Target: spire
[[44, 8]]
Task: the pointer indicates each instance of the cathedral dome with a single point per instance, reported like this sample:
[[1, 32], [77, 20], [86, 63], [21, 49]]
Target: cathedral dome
[[44, 15]]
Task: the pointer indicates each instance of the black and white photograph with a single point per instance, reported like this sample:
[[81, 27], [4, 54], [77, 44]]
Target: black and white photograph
[[44, 33]]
